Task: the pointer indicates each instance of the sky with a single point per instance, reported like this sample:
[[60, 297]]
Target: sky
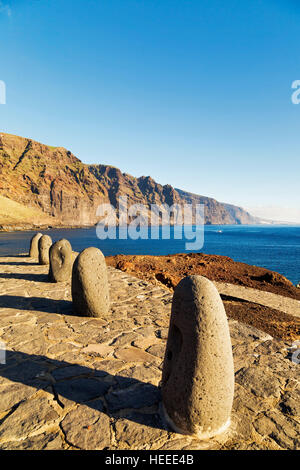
[[195, 93]]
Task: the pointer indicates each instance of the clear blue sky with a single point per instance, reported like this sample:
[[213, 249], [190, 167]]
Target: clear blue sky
[[195, 93]]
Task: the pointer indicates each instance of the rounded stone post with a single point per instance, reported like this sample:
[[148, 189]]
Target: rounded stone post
[[61, 262], [90, 290], [44, 245], [34, 247], [198, 372]]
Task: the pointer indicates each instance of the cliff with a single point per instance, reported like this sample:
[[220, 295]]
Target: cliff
[[219, 213], [48, 178], [65, 191]]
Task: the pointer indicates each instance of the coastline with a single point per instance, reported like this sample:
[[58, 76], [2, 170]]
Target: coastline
[[247, 291], [27, 227], [167, 270], [220, 261]]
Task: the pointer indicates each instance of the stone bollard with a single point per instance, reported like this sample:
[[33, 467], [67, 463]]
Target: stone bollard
[[90, 290], [198, 373], [61, 261], [34, 245], [44, 244]]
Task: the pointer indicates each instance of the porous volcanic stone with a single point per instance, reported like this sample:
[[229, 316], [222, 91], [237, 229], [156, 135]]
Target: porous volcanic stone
[[90, 291], [34, 248], [61, 262], [44, 245], [198, 372]]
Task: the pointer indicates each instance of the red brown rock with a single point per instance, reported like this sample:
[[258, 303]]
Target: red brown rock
[[69, 191]]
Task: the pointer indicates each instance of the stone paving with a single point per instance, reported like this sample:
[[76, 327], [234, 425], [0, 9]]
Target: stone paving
[[268, 299], [74, 382]]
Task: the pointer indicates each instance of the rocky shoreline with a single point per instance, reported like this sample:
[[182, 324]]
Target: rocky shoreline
[[169, 269], [39, 227], [166, 272]]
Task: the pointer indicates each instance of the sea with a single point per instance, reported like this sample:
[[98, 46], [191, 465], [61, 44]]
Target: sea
[[275, 247]]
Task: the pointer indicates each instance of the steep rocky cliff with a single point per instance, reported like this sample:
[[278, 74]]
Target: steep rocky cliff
[[219, 212], [57, 183], [49, 178]]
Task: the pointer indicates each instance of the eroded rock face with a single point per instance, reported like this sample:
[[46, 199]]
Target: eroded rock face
[[44, 245], [69, 191], [34, 245], [198, 372], [90, 290], [61, 262]]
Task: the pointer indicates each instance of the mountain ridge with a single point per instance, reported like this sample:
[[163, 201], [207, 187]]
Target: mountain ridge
[[68, 191]]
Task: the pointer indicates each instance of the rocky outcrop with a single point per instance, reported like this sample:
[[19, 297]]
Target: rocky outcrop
[[170, 269], [60, 186], [256, 296]]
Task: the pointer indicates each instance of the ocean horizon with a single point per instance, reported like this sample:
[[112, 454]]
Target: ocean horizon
[[275, 247]]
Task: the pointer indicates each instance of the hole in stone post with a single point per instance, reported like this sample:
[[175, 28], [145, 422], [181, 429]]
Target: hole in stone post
[[169, 355], [176, 341], [174, 348]]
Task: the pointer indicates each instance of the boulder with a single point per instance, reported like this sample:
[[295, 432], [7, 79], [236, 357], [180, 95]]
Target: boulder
[[90, 290], [198, 372]]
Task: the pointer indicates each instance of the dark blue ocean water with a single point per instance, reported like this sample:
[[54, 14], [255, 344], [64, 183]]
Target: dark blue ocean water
[[273, 247]]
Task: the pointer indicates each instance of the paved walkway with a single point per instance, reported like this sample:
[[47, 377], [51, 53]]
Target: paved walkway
[[74, 382], [268, 299]]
